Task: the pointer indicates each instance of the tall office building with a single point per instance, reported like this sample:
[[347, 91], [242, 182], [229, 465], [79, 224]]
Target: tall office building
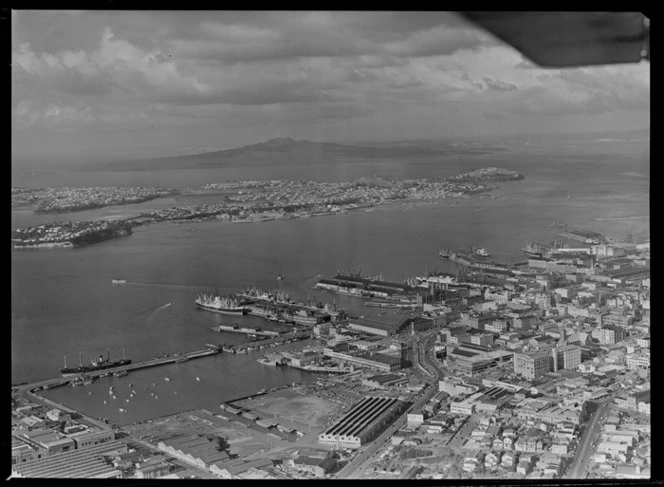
[[565, 357], [610, 335], [532, 365]]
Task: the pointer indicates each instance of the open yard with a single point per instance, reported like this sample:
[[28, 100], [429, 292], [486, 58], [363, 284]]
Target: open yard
[[292, 407]]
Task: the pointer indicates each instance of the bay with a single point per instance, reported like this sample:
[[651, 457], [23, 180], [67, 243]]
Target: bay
[[63, 301]]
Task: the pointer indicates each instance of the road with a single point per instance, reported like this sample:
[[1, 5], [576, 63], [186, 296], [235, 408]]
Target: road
[[420, 349], [585, 449]]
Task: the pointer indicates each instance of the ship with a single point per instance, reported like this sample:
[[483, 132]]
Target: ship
[[444, 253], [118, 281], [100, 364], [481, 251], [82, 381], [225, 305], [273, 361], [280, 277], [558, 224]]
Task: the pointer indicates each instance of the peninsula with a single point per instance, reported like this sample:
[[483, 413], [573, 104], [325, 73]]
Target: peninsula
[[243, 202]]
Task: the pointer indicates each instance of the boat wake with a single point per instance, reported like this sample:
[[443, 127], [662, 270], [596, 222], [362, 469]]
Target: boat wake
[[159, 309], [163, 307]]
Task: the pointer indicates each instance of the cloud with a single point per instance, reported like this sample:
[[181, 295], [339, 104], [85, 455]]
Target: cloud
[[56, 115], [109, 70]]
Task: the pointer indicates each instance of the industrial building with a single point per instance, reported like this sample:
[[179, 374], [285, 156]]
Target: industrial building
[[363, 423], [194, 449], [375, 327], [379, 361], [84, 463], [384, 381], [471, 363]]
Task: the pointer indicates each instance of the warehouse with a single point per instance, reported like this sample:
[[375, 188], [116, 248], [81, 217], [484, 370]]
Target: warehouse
[[383, 381], [86, 463], [379, 361], [383, 328], [363, 423]]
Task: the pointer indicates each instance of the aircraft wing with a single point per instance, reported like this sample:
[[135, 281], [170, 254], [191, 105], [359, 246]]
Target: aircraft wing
[[566, 39]]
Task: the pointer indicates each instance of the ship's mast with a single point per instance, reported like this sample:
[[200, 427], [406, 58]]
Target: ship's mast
[[80, 359], [108, 355], [123, 357], [65, 361]]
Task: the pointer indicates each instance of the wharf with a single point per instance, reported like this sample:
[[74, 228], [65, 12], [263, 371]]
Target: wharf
[[260, 305], [392, 304], [246, 331], [51, 383], [270, 342], [320, 370]]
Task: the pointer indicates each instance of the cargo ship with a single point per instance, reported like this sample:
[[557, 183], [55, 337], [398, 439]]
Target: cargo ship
[[535, 249], [219, 304], [481, 251], [100, 364]]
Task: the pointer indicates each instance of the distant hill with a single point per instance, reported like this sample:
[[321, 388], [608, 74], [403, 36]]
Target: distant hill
[[281, 151], [374, 181]]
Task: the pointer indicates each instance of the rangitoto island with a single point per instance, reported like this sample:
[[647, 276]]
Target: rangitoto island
[[240, 202]]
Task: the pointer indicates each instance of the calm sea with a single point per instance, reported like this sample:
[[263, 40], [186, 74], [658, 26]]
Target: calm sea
[[63, 301]]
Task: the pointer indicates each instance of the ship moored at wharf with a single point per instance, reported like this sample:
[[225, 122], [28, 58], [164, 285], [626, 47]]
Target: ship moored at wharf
[[95, 365], [277, 306], [471, 260], [366, 287], [220, 304]]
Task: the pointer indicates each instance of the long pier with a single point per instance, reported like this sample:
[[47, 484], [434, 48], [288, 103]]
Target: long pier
[[320, 370], [289, 337], [156, 362], [246, 331]]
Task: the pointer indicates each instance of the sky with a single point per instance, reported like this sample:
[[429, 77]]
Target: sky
[[119, 81]]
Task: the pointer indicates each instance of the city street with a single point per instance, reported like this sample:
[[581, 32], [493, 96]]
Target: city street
[[586, 448]]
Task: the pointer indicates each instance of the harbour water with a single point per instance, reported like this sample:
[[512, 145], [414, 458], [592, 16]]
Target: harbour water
[[63, 301]]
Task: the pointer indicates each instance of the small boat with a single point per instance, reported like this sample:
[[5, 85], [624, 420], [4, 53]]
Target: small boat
[[127, 400], [89, 393], [156, 396], [280, 277], [198, 378], [122, 410], [104, 401], [167, 379], [119, 281]]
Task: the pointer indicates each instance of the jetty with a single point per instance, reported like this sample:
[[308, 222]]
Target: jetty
[[246, 331], [271, 342], [155, 362]]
